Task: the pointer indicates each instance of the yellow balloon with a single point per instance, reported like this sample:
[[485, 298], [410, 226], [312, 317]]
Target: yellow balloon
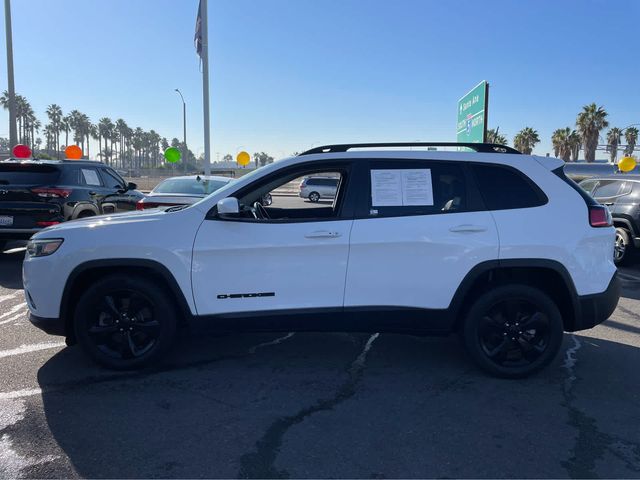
[[626, 164], [243, 159]]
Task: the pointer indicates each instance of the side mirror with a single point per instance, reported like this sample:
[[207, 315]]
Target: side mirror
[[131, 186], [228, 207], [266, 200]]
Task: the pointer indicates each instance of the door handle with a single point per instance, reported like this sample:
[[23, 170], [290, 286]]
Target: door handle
[[92, 193], [322, 234], [468, 229]]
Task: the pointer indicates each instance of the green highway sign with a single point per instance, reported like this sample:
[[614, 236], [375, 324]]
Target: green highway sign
[[472, 114]]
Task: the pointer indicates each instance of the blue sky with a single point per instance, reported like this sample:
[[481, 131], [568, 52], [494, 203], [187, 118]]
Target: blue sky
[[289, 74]]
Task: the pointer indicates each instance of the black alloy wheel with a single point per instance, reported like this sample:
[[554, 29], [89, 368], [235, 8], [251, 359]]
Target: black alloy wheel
[[125, 322], [513, 331]]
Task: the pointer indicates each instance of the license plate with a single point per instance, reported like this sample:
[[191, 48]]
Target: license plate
[[6, 220]]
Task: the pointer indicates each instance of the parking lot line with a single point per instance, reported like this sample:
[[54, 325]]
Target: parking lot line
[[30, 348], [4, 298], [13, 310]]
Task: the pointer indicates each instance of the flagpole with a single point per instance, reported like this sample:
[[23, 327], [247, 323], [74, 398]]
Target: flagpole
[[205, 85]]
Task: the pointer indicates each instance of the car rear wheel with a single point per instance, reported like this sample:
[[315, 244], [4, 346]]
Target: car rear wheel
[[125, 322], [623, 248], [513, 331], [314, 197]]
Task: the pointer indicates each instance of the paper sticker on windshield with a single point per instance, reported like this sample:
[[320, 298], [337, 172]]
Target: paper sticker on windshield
[[401, 187]]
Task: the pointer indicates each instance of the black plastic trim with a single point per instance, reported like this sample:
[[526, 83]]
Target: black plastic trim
[[157, 267], [596, 308], [477, 147], [52, 326]]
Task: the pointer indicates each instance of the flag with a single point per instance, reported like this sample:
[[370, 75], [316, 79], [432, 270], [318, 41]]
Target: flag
[[197, 39]]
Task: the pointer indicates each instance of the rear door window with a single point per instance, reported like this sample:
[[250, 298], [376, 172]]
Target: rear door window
[[505, 188], [28, 174], [407, 187]]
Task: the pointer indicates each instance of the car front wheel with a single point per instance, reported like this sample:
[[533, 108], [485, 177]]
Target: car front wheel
[[513, 331], [125, 322], [623, 248]]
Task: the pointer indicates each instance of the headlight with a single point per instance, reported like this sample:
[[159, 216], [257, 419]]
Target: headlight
[[44, 247]]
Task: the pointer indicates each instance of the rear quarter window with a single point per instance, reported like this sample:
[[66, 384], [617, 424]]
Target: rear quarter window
[[505, 188]]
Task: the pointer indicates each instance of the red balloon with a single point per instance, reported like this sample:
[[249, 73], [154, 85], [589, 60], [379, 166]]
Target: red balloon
[[21, 151]]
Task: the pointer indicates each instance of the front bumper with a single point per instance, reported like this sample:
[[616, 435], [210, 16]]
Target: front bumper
[[595, 309], [52, 326]]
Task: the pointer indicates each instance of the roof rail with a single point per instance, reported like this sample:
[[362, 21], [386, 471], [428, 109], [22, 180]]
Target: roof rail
[[478, 147]]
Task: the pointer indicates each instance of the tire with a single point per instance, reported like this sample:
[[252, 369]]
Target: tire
[[124, 322], [314, 197], [623, 250], [86, 214], [495, 331]]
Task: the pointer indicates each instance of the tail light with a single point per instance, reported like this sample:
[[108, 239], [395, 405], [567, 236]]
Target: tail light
[[599, 216], [140, 205], [46, 224], [52, 192]]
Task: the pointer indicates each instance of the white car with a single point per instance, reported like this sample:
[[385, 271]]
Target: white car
[[185, 190], [316, 188], [500, 247]]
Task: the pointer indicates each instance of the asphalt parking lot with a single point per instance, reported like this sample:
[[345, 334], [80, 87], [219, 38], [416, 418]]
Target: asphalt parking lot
[[317, 405]]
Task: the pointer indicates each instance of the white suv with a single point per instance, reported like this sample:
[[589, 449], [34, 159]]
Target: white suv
[[497, 246], [315, 188]]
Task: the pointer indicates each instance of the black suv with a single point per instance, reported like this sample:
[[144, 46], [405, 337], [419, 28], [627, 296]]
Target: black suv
[[621, 193], [35, 194]]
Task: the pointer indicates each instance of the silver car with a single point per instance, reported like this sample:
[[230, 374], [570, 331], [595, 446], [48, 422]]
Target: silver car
[[315, 188]]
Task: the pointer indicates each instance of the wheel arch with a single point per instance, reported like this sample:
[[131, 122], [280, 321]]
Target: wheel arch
[[86, 272], [549, 276]]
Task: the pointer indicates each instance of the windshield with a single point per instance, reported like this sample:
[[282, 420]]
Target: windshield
[[190, 186], [28, 174]]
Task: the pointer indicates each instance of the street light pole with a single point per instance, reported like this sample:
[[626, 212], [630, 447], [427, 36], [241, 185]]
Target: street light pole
[[13, 134], [185, 150]]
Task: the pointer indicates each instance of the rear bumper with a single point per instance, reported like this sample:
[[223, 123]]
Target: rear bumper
[[595, 309], [52, 326]]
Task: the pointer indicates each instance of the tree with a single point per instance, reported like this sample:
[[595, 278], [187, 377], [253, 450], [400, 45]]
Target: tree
[[54, 112], [631, 136], [261, 159], [590, 122], [525, 140], [562, 143], [227, 158], [575, 143], [494, 137], [613, 140]]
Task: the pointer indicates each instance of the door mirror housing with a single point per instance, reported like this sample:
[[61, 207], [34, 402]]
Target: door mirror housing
[[228, 207], [131, 186]]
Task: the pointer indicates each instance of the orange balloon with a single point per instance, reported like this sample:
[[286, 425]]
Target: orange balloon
[[73, 152]]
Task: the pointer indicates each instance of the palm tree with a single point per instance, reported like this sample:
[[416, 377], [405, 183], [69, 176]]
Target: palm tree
[[631, 136], [590, 121], [562, 143], [54, 112], [575, 143], [494, 137], [525, 140], [66, 126], [613, 140]]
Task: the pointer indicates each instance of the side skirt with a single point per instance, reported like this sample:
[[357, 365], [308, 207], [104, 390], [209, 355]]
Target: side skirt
[[390, 319]]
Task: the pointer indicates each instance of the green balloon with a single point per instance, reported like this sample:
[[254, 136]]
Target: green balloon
[[172, 155]]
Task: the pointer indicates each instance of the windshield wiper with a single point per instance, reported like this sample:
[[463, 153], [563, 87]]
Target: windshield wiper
[[176, 208]]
